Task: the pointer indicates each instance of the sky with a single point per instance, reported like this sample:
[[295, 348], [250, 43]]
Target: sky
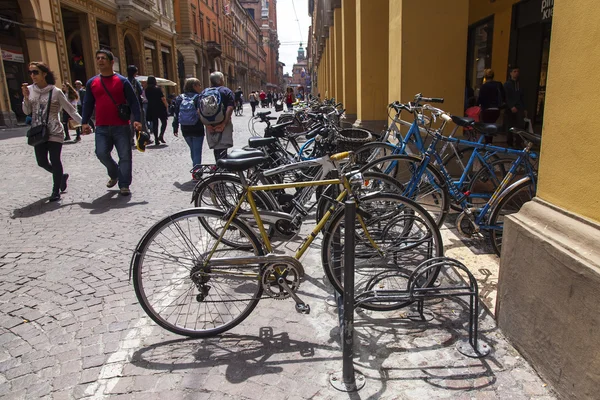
[[292, 28]]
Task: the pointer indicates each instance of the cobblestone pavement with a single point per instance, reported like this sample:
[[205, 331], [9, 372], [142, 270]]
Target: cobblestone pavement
[[71, 327]]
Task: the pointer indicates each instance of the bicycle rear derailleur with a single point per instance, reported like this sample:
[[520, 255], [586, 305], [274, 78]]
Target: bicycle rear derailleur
[[281, 280]]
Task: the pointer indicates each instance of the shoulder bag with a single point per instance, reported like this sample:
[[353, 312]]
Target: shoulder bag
[[40, 134], [123, 109]]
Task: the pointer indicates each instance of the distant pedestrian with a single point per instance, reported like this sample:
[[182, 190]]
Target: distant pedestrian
[[157, 109], [263, 98], [216, 107], [113, 97], [270, 98], [43, 101], [491, 100], [132, 72], [81, 94], [289, 98], [515, 108], [71, 95], [253, 98], [187, 115]]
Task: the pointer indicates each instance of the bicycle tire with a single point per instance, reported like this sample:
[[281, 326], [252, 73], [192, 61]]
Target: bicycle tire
[[413, 238], [374, 182], [432, 192], [217, 310], [372, 151], [510, 203]]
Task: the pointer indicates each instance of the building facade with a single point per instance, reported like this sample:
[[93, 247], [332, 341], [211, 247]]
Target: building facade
[[218, 35], [367, 53], [264, 13], [66, 33], [300, 77]]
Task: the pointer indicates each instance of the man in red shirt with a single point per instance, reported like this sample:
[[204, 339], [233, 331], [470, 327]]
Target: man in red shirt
[[110, 92]]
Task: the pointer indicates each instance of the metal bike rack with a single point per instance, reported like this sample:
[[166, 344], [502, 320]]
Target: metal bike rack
[[348, 380], [471, 347]]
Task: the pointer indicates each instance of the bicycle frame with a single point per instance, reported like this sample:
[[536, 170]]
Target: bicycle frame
[[248, 195]]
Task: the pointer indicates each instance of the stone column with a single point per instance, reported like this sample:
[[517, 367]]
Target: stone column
[[332, 78], [372, 63], [89, 38], [548, 302], [427, 54], [349, 58], [7, 116], [337, 41]]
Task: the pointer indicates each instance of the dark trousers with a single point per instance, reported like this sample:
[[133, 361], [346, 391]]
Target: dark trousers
[[163, 126], [220, 153], [54, 165], [514, 120], [253, 105]]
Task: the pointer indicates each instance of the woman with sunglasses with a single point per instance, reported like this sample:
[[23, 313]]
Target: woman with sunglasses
[[35, 102]]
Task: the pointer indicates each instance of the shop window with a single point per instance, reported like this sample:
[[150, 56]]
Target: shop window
[[479, 52]]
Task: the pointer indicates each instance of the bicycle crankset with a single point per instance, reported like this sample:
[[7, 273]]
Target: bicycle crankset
[[280, 281]]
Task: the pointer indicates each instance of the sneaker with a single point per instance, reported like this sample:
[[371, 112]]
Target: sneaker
[[142, 139], [112, 182], [125, 191], [63, 183], [55, 196]]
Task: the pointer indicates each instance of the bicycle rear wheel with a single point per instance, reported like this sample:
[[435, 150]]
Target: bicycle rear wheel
[[405, 236], [177, 290], [511, 203]]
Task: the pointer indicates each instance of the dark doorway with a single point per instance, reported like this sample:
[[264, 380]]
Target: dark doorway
[[530, 51]]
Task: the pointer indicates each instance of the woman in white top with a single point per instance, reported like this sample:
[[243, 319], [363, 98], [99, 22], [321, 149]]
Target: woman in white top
[[35, 102]]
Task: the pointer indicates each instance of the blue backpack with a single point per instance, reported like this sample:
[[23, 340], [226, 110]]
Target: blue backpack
[[188, 112], [211, 106]]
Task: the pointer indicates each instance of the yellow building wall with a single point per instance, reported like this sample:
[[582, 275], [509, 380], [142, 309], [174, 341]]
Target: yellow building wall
[[502, 12], [569, 174], [434, 71]]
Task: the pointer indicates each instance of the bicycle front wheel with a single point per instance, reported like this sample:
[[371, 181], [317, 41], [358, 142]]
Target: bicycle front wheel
[[399, 236], [175, 287]]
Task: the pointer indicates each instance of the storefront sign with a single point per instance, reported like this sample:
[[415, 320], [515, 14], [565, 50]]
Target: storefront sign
[[149, 45], [165, 49], [547, 9], [13, 55]]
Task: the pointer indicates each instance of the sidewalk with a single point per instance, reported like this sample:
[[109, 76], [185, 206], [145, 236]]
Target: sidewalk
[[71, 326]]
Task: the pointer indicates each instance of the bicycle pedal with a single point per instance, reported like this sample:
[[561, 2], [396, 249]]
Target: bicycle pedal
[[303, 308]]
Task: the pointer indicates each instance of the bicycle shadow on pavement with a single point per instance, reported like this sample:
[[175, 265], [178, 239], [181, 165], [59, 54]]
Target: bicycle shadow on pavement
[[245, 356]]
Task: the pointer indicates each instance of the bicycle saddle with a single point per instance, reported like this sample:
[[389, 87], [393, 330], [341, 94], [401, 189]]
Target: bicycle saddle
[[532, 137], [240, 165], [263, 114], [462, 121], [238, 154], [255, 142], [277, 130], [486, 129]]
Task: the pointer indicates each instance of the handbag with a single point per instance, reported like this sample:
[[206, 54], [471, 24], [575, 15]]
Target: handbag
[[123, 109], [73, 124], [40, 134]]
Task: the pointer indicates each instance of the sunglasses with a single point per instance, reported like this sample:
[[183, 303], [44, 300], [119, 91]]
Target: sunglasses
[[34, 72]]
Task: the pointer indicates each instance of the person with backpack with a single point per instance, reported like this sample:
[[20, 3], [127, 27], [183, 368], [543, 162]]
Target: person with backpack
[[253, 99], [186, 114], [491, 100], [216, 106]]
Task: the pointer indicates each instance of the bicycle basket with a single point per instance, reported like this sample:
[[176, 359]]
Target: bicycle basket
[[351, 139]]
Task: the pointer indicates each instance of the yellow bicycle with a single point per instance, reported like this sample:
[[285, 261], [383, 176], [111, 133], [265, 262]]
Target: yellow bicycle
[[201, 271]]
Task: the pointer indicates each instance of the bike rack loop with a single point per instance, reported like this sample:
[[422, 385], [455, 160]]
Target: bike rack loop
[[349, 380]]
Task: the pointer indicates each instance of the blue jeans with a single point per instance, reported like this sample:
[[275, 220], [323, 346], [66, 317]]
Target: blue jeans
[[195, 143], [119, 137]]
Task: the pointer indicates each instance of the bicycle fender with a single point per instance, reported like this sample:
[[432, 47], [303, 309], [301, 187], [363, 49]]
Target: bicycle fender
[[521, 182]]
